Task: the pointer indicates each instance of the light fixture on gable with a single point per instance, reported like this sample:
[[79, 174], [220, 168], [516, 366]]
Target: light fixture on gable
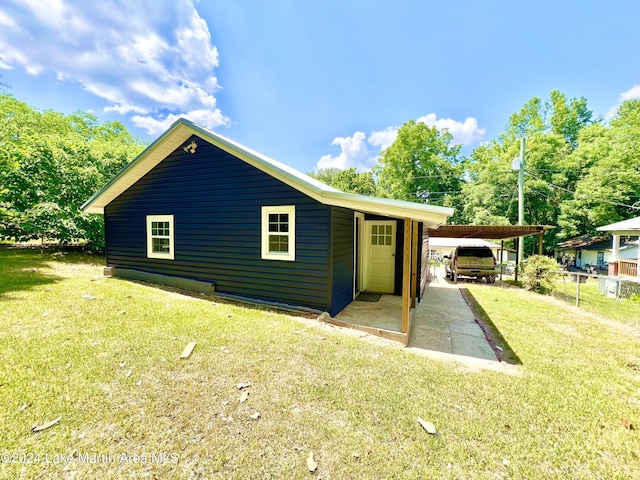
[[191, 148]]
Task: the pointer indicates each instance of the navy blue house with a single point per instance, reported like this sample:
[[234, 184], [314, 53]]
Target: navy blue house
[[200, 209]]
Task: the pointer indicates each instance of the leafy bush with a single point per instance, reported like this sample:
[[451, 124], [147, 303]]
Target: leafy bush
[[539, 273]]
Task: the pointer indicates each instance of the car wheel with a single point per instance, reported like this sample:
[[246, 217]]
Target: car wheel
[[491, 279]]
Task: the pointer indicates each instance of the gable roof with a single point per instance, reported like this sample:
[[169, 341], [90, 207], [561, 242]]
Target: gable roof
[[183, 129]]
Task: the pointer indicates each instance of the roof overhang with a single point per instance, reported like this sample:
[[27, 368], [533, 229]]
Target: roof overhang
[[493, 232], [625, 227], [432, 216]]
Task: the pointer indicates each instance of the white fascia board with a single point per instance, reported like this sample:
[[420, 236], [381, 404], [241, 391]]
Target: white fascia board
[[433, 216], [630, 226], [633, 233]]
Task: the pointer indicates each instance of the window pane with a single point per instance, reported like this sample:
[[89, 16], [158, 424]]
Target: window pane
[[273, 218], [388, 239], [278, 243], [284, 218], [160, 229], [374, 239], [388, 232], [374, 229], [273, 227], [160, 245]]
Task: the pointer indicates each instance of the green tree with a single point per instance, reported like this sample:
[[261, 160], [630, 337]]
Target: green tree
[[608, 189], [552, 129], [50, 164], [420, 166], [348, 180]]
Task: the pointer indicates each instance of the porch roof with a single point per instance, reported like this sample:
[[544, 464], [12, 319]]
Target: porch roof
[[630, 226]]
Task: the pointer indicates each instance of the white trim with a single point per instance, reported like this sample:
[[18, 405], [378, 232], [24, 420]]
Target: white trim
[[182, 130], [358, 252], [289, 256], [160, 218]]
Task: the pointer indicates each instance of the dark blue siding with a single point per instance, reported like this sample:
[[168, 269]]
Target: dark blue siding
[[342, 255], [216, 201]]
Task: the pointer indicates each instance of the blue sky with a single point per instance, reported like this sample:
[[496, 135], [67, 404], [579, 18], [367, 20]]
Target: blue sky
[[317, 84]]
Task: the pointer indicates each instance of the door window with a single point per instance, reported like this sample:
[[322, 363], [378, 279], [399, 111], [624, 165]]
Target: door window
[[382, 235]]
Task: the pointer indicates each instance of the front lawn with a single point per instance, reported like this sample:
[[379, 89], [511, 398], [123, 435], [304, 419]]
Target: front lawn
[[102, 356]]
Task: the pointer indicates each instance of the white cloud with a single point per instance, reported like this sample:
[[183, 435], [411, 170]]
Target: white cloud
[[155, 125], [633, 92], [463, 133], [143, 57], [355, 152], [383, 138]]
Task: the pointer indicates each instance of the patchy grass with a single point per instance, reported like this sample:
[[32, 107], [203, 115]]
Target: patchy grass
[[102, 354]]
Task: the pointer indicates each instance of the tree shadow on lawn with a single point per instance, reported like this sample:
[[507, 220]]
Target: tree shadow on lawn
[[494, 337], [22, 269]]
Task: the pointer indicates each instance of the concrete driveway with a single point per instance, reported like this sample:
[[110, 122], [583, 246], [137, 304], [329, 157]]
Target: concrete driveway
[[445, 327]]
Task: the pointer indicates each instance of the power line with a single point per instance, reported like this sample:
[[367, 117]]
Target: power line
[[633, 207]]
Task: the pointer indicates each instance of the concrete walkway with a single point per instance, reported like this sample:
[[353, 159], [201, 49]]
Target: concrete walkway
[[445, 327]]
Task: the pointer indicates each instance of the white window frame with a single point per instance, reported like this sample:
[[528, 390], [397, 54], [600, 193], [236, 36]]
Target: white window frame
[[163, 255], [289, 256]]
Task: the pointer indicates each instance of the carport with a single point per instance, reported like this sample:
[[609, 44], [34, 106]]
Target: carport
[[493, 232]]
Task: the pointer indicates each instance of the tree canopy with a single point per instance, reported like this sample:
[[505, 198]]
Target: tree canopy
[[420, 166], [50, 164], [580, 172], [348, 180]]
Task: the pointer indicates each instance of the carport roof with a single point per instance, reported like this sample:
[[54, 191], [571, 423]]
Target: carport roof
[[494, 232]]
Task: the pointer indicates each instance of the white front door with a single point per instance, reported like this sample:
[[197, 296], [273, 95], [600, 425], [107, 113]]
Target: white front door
[[380, 267]]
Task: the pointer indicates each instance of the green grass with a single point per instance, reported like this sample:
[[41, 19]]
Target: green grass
[[109, 368], [623, 310]]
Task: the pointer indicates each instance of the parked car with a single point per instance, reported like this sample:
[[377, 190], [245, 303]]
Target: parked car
[[475, 262]]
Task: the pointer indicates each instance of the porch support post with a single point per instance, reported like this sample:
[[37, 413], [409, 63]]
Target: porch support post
[[638, 258], [540, 239], [614, 265], [502, 257], [406, 276], [518, 245], [414, 262], [615, 254]]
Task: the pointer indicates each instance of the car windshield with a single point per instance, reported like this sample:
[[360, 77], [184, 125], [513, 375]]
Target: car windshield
[[475, 252]]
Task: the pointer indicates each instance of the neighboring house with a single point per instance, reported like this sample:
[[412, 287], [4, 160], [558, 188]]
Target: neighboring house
[[624, 261], [585, 250], [199, 211]]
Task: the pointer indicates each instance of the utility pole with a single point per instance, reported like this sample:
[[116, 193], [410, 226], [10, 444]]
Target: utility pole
[[521, 198]]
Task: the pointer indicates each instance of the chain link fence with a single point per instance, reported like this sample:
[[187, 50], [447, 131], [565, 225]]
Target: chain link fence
[[619, 287]]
